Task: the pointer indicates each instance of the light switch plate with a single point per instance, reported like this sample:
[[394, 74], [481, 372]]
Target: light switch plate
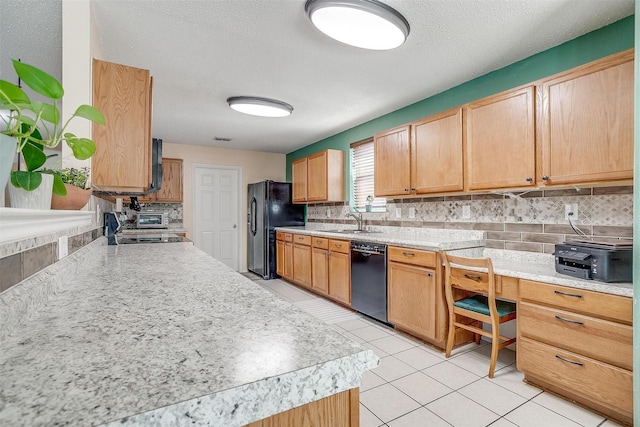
[[398, 212], [63, 247]]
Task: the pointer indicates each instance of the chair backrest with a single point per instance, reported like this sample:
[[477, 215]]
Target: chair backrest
[[470, 274]]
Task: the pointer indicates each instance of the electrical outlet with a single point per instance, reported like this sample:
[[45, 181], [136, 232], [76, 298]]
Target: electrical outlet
[[571, 211], [466, 212], [328, 212], [412, 212], [398, 212], [63, 247]]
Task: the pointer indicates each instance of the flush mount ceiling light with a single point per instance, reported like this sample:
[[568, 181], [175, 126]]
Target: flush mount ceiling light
[[263, 107], [368, 24]]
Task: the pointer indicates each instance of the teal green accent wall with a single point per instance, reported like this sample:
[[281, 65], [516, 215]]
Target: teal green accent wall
[[636, 237], [605, 41]]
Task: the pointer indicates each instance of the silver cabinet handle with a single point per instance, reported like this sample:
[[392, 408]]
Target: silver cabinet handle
[[529, 179], [568, 294], [569, 361], [469, 276], [408, 254], [545, 177], [575, 322]]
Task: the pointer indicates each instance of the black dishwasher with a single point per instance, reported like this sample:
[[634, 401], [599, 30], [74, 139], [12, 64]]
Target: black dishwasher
[[369, 279]]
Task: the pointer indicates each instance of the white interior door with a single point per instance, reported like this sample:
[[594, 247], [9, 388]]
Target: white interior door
[[217, 212]]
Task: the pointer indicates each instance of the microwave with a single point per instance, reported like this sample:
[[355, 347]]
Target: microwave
[[152, 220]]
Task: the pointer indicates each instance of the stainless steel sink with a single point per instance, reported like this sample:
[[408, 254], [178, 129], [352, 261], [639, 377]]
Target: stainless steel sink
[[350, 231]]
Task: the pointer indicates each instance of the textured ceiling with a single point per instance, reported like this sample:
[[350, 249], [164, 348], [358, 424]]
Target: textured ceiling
[[202, 52]]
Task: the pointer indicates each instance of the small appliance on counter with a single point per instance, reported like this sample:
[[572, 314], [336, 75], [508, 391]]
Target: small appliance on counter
[[152, 219], [602, 260], [111, 227]]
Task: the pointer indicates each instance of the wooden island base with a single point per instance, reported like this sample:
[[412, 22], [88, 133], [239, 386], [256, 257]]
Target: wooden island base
[[342, 409]]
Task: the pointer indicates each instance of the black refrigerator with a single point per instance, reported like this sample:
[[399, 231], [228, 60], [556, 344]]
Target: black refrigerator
[[269, 206]]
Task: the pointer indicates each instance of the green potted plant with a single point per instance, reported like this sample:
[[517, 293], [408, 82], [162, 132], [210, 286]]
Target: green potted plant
[[34, 125], [75, 183]]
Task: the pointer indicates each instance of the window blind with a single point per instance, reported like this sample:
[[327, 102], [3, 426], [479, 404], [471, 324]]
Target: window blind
[[362, 175]]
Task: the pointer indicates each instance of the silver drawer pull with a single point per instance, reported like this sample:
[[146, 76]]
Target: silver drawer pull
[[569, 361], [408, 254], [318, 241], [575, 322], [469, 276], [568, 295], [337, 245]]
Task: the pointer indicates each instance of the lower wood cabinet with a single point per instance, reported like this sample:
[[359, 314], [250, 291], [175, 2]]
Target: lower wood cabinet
[[578, 344], [340, 273], [284, 255], [302, 259], [411, 281], [320, 265]]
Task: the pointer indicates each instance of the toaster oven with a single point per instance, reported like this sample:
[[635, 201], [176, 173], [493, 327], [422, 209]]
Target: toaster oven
[[152, 220]]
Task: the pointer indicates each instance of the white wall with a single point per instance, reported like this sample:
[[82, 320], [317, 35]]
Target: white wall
[[256, 166]]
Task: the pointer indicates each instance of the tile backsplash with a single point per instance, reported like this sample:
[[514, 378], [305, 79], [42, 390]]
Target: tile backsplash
[[527, 221]]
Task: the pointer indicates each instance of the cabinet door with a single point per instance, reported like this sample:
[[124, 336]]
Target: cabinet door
[[302, 264], [317, 177], [288, 260], [280, 257], [501, 141], [392, 162], [586, 131], [122, 161], [299, 179], [320, 270], [171, 190], [436, 153], [412, 298], [340, 276]]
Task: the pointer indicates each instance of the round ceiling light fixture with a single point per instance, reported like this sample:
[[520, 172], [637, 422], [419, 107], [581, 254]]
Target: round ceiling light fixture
[[263, 107], [368, 24]]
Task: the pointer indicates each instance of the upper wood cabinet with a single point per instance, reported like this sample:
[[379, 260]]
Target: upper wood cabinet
[[319, 177], [585, 129], [420, 158], [122, 161], [392, 162], [501, 146], [436, 153], [171, 189]]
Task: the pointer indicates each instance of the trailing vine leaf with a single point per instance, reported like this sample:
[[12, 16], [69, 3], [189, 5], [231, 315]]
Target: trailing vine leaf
[[12, 94], [33, 156], [58, 186], [26, 180], [41, 82], [90, 113]]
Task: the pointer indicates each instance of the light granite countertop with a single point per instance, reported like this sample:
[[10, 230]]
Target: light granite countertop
[[416, 238], [522, 265], [163, 334]]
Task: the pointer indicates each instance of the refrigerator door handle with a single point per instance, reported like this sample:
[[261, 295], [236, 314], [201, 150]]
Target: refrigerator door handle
[[253, 216]]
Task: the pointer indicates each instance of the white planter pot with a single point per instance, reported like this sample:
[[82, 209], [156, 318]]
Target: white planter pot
[[40, 198], [7, 155]]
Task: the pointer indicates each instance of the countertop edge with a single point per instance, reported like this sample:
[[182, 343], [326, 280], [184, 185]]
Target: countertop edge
[[255, 401]]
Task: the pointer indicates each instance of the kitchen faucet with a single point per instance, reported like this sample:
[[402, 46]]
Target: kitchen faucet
[[358, 218]]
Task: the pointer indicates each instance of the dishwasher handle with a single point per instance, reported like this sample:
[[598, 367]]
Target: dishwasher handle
[[365, 252]]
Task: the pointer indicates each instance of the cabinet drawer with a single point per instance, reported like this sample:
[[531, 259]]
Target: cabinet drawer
[[411, 256], [600, 339], [339, 246], [598, 304], [320, 242], [580, 378], [280, 235], [301, 239], [288, 237]]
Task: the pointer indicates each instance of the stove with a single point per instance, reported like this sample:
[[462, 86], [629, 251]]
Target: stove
[[133, 239]]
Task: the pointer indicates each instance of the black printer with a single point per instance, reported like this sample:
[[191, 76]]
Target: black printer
[[602, 260]]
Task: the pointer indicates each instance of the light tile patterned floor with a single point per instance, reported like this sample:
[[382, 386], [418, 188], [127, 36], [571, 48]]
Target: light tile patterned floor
[[415, 385]]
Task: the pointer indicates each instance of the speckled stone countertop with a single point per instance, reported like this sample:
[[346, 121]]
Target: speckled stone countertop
[[523, 265], [417, 238], [163, 334]]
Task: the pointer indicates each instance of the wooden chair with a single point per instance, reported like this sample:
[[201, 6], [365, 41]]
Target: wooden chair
[[475, 275]]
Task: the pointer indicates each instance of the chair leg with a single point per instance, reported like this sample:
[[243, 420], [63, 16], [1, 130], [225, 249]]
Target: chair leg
[[450, 339], [495, 347], [477, 337]]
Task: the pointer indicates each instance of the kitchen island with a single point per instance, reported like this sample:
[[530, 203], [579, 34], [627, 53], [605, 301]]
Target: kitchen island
[[161, 334]]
